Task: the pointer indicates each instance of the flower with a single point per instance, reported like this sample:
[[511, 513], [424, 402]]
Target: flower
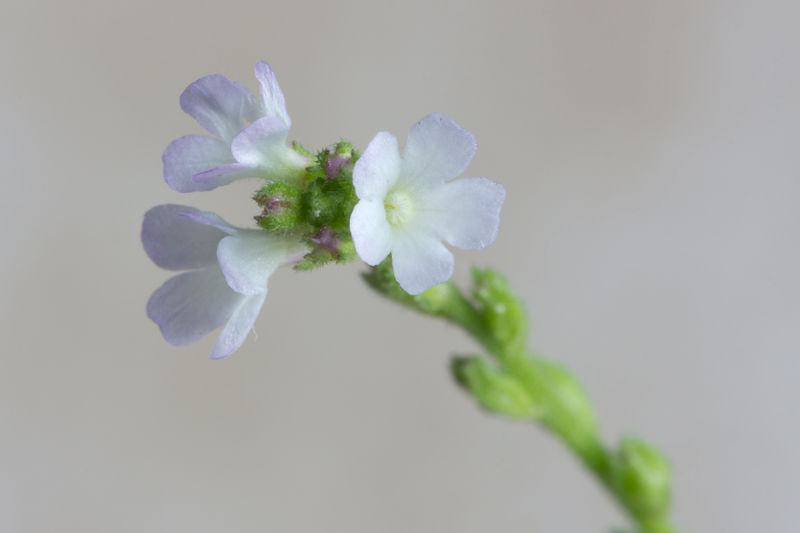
[[228, 269], [201, 163], [407, 207]]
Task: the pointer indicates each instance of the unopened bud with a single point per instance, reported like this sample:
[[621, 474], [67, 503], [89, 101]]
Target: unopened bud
[[566, 408], [503, 312], [282, 207], [338, 160], [494, 390], [642, 478]]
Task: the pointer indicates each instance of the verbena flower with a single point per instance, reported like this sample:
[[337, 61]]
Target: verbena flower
[[228, 269], [259, 150], [409, 205]]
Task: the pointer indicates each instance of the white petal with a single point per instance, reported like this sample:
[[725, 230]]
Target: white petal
[[371, 232], [420, 261], [378, 167], [249, 258], [175, 241], [217, 103], [192, 155], [464, 213], [438, 150], [272, 101], [240, 324], [190, 305], [217, 177], [209, 219], [262, 144]]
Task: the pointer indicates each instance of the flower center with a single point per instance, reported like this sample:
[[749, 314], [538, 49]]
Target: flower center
[[398, 207]]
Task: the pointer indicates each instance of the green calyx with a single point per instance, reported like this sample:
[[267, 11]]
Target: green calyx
[[282, 207], [318, 210]]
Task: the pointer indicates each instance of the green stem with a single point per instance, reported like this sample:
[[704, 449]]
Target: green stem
[[460, 311], [528, 387]]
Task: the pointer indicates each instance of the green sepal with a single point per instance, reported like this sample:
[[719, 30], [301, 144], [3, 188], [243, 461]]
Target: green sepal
[[495, 391], [297, 147]]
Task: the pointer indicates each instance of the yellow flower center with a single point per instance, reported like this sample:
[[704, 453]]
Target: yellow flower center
[[398, 207]]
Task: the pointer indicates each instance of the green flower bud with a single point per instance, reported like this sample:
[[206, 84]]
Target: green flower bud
[[503, 313], [326, 246], [566, 408], [282, 207], [494, 390], [642, 478]]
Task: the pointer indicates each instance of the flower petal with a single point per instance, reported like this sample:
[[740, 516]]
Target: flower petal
[[250, 257], [209, 219], [371, 232], [192, 155], [190, 305], [217, 104], [240, 324], [176, 242], [262, 144], [464, 213], [216, 177], [438, 150], [378, 167], [420, 261], [273, 104]]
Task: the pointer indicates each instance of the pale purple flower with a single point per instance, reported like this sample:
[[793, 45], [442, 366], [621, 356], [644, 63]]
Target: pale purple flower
[[228, 269], [409, 205], [257, 150]]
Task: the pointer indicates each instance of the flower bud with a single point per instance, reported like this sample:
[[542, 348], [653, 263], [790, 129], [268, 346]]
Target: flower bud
[[494, 390], [326, 246], [566, 408], [503, 312], [642, 478], [282, 207], [339, 160]]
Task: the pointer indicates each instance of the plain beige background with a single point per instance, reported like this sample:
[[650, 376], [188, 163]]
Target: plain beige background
[[650, 153]]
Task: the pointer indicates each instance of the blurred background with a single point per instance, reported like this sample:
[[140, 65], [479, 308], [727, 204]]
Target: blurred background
[[650, 153]]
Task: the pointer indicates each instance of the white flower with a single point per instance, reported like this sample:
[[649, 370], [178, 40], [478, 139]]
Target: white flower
[[202, 163], [227, 279], [407, 207]]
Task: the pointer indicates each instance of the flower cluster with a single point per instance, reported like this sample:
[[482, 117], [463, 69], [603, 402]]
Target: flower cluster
[[315, 208]]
